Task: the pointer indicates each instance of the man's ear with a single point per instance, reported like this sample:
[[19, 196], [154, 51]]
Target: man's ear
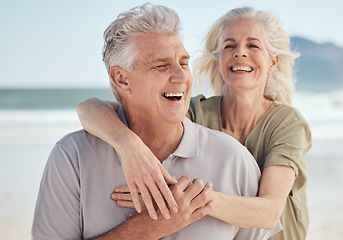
[[119, 78], [274, 63]]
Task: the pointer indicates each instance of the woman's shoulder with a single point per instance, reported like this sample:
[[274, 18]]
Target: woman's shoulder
[[206, 111], [283, 112], [202, 100]]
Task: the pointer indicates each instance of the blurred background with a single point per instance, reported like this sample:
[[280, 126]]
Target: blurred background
[[50, 60]]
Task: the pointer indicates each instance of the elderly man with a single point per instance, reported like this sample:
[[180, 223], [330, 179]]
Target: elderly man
[[148, 67]]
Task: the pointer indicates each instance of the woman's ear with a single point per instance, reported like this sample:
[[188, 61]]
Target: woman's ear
[[274, 63], [119, 78]]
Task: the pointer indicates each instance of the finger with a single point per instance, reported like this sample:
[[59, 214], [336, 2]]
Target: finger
[[181, 185], [203, 211], [122, 189], [156, 194], [167, 177], [145, 194], [134, 195], [126, 204], [202, 198], [195, 188], [168, 196], [121, 196]]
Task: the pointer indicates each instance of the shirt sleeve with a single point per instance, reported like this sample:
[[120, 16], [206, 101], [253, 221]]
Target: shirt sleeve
[[57, 212], [289, 142]]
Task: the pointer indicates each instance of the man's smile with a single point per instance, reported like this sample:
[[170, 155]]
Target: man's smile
[[173, 96]]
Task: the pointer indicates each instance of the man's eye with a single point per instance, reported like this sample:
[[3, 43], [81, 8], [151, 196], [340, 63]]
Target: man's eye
[[184, 65], [161, 67]]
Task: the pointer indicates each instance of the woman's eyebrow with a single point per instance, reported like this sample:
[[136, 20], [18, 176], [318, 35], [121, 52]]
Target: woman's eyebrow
[[229, 40], [253, 39]]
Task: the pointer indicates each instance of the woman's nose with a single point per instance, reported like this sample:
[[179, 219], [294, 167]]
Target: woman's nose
[[240, 52]]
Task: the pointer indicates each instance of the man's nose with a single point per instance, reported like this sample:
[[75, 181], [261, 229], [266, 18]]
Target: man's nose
[[179, 74]]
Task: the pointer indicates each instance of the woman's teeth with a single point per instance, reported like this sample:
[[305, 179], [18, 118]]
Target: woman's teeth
[[241, 69]]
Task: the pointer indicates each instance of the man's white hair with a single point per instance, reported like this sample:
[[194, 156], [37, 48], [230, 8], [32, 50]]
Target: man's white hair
[[120, 35]]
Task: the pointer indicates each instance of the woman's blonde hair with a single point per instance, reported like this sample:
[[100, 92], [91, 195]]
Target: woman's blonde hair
[[280, 84]]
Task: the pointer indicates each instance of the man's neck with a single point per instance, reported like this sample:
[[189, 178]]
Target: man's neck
[[160, 137]]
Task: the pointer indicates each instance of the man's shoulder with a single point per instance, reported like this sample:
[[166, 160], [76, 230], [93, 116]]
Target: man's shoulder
[[79, 139]]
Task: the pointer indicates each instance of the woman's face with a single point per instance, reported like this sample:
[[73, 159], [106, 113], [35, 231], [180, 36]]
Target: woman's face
[[244, 61]]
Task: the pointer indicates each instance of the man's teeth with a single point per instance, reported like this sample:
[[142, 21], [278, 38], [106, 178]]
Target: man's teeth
[[242, 69], [172, 94]]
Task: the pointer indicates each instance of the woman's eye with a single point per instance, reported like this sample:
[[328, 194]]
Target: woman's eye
[[253, 46], [229, 46]]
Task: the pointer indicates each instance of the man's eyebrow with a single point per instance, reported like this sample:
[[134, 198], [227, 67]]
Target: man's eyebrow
[[158, 60], [186, 57], [164, 60]]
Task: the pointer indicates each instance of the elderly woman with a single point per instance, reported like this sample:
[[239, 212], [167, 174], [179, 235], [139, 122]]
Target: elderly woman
[[249, 62]]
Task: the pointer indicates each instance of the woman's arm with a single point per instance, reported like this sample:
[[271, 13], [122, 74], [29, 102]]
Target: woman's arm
[[143, 171], [263, 211]]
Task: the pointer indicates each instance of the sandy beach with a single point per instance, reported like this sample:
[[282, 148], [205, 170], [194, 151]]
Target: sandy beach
[[23, 163]]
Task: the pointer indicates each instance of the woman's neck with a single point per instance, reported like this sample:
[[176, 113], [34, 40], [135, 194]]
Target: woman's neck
[[242, 112]]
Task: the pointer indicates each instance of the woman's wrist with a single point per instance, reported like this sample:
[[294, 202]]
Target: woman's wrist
[[122, 139]]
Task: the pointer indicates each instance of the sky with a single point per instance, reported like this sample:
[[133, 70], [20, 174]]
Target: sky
[[58, 43]]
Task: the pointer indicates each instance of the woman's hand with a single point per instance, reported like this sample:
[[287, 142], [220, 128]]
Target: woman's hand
[[143, 171], [145, 175]]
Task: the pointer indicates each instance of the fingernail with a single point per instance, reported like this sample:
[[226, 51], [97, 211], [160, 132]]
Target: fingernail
[[166, 215], [113, 196], [210, 184], [139, 210], [153, 216], [175, 209]]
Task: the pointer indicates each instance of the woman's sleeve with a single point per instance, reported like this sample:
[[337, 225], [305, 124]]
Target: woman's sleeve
[[289, 142]]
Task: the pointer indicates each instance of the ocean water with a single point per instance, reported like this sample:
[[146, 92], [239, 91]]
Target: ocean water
[[12, 99], [31, 121]]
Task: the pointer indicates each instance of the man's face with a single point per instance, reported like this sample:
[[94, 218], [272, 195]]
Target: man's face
[[160, 81]]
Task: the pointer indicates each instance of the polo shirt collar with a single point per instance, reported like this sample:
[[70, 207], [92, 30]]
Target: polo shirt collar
[[189, 145]]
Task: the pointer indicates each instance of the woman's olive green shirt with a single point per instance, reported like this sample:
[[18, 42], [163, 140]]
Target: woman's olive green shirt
[[282, 137]]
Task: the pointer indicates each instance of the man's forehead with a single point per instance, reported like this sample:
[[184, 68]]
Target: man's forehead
[[157, 48]]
